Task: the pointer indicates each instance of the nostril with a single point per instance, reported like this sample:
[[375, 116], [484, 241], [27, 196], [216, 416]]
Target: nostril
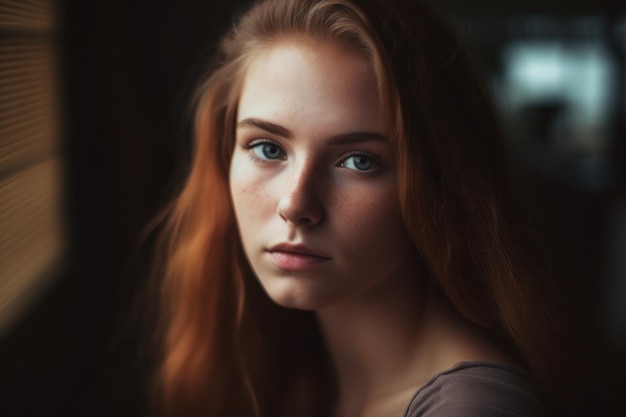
[[305, 221]]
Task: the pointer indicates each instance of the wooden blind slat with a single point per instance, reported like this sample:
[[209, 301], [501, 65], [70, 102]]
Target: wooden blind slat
[[25, 13], [30, 135], [26, 84], [13, 14], [26, 151], [44, 6], [41, 140], [23, 103], [26, 60], [42, 45], [26, 124]]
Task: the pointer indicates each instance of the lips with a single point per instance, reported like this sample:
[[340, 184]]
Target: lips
[[296, 257]]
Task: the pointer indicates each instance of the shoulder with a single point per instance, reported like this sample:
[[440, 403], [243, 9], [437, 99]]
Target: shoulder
[[477, 389]]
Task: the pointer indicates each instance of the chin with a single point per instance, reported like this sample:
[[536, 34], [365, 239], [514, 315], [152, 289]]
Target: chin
[[299, 303], [299, 299]]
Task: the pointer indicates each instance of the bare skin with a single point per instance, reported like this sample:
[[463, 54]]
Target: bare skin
[[384, 351]]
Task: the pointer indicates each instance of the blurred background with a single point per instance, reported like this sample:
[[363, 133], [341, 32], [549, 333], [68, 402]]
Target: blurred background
[[94, 139]]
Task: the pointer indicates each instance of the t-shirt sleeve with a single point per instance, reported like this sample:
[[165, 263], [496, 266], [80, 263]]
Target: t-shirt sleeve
[[479, 391]]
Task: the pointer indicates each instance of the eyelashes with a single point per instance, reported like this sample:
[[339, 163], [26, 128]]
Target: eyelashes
[[266, 151], [360, 161]]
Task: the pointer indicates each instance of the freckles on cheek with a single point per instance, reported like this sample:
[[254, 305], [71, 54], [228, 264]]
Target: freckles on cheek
[[368, 216], [368, 205]]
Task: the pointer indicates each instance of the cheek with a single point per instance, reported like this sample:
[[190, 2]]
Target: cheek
[[372, 223], [244, 199], [250, 197], [241, 191]]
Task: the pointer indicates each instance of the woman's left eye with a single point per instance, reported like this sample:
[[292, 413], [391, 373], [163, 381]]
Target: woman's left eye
[[359, 162]]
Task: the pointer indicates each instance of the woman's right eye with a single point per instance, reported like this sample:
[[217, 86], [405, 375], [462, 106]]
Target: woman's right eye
[[267, 151]]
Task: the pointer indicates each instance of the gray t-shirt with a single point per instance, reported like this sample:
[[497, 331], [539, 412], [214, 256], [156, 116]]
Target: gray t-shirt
[[478, 389]]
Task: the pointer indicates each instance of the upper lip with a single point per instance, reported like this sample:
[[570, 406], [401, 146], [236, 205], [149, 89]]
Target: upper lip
[[299, 249]]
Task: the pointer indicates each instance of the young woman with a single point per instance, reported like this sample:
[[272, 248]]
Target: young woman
[[343, 244]]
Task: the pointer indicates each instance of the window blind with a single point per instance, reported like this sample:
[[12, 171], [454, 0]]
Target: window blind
[[31, 235]]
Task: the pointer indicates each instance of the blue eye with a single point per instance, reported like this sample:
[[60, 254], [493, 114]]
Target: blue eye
[[268, 151], [359, 162]]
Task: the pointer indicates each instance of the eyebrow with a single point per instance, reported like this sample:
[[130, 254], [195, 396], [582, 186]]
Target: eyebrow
[[267, 126], [340, 139]]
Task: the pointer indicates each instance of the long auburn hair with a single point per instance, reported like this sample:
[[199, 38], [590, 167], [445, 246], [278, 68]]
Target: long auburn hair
[[227, 349]]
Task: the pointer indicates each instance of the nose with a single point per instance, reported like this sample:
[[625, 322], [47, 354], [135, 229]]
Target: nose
[[300, 203]]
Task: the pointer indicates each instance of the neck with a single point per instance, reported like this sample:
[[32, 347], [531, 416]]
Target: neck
[[373, 340], [387, 342]]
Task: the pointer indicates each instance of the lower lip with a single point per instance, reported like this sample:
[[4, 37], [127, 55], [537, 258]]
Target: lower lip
[[296, 261]]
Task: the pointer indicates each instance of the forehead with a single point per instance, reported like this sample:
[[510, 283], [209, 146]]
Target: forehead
[[311, 82]]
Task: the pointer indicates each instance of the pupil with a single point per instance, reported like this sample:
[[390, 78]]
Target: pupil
[[270, 151], [362, 162]]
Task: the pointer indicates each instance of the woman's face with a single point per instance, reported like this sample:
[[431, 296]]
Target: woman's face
[[313, 178]]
